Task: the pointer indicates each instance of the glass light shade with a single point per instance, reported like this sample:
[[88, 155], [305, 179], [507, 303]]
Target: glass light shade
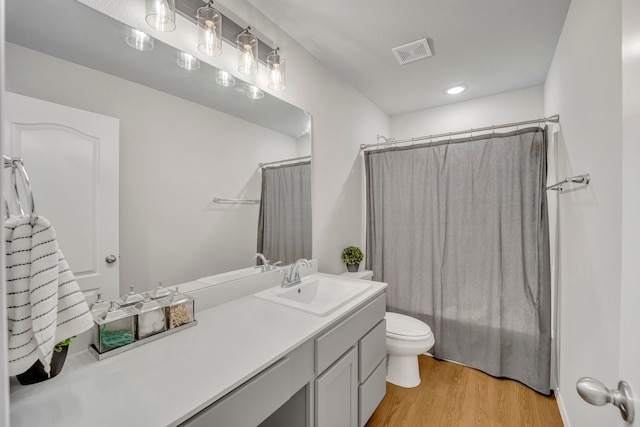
[[209, 31], [161, 14], [188, 61], [275, 64], [247, 53], [225, 79], [254, 93], [139, 40]]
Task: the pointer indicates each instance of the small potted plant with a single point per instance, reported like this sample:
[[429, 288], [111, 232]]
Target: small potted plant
[[36, 373], [352, 256]]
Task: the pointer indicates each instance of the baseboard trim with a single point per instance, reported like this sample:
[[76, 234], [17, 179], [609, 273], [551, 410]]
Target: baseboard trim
[[562, 409]]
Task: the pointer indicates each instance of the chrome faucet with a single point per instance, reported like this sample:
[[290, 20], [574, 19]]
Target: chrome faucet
[[265, 263], [292, 276]]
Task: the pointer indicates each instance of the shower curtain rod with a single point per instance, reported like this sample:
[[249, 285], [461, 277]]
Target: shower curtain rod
[[391, 141], [261, 165]]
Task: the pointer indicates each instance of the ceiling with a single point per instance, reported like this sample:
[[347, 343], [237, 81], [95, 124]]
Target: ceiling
[[490, 46]]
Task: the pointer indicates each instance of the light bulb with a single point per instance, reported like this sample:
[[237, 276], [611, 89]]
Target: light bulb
[[247, 46], [276, 66], [209, 31]]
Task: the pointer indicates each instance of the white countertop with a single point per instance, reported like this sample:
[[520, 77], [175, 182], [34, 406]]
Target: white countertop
[[166, 381]]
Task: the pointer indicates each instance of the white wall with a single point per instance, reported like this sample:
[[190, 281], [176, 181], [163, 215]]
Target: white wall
[[508, 107], [175, 156], [342, 120], [584, 86]]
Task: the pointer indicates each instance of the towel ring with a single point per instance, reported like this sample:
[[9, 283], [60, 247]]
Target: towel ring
[[26, 185]]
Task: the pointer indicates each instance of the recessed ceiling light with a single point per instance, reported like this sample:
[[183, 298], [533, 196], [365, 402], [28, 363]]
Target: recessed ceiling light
[[455, 90]]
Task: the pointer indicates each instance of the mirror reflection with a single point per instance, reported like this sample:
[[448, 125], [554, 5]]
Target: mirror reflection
[[183, 139]]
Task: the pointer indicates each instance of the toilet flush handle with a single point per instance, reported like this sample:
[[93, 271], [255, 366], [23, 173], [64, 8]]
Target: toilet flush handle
[[596, 393]]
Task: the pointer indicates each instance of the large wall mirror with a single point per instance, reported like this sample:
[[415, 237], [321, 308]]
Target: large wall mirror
[[183, 140]]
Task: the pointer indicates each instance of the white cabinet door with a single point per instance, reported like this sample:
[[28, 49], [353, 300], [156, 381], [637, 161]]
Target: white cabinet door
[[336, 393], [71, 157]]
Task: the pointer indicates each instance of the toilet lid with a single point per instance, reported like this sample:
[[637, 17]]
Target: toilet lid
[[401, 325]]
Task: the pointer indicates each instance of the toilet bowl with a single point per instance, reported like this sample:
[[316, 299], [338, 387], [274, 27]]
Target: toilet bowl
[[407, 337]]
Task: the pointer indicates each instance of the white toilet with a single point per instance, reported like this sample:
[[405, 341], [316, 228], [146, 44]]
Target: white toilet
[[407, 337]]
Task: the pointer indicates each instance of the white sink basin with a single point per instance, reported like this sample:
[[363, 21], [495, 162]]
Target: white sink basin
[[318, 294]]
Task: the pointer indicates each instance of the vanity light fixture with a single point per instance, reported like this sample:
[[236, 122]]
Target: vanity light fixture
[[139, 40], [275, 65], [188, 61], [247, 46], [209, 23], [254, 93], [455, 90], [161, 14], [225, 79]]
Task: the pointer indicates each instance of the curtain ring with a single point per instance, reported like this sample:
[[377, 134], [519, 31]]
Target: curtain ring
[[493, 130], [471, 132]]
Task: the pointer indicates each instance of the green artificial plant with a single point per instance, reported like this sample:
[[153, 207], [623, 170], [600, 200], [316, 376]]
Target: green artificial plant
[[63, 343], [352, 255]]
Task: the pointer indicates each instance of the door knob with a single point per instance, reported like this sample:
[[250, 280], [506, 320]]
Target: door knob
[[110, 259], [596, 393]]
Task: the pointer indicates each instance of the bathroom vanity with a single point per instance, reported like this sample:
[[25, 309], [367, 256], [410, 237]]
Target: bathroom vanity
[[248, 362]]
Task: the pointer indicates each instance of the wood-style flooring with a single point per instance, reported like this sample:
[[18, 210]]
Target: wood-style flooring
[[455, 395]]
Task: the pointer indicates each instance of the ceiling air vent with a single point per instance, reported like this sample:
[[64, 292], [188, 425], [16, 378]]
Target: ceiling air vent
[[413, 51]]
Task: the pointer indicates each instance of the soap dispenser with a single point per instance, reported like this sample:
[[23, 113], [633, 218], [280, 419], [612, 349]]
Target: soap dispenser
[[113, 328], [180, 309], [150, 317]]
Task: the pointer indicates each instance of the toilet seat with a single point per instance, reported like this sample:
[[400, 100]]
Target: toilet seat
[[407, 328]]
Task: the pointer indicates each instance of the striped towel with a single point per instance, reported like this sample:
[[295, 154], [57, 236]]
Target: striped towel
[[44, 302]]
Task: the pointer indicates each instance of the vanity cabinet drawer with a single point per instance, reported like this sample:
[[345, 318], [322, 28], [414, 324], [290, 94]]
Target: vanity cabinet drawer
[[252, 402], [335, 342], [372, 348], [371, 392]]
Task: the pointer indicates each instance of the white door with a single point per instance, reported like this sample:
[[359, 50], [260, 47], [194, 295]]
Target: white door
[[630, 291], [629, 351], [71, 157]]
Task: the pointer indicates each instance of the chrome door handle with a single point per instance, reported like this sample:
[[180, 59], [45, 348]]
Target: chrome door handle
[[596, 393], [110, 259]]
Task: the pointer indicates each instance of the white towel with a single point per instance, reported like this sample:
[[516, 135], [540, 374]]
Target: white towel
[[44, 303]]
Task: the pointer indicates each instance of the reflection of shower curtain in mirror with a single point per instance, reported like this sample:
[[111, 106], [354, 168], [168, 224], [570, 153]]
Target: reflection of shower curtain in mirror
[[284, 225], [459, 231]]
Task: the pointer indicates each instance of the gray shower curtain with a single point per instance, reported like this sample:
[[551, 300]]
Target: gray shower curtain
[[459, 231], [284, 224]]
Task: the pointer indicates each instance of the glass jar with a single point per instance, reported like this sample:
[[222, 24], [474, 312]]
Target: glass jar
[[113, 328], [150, 317], [180, 309]]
